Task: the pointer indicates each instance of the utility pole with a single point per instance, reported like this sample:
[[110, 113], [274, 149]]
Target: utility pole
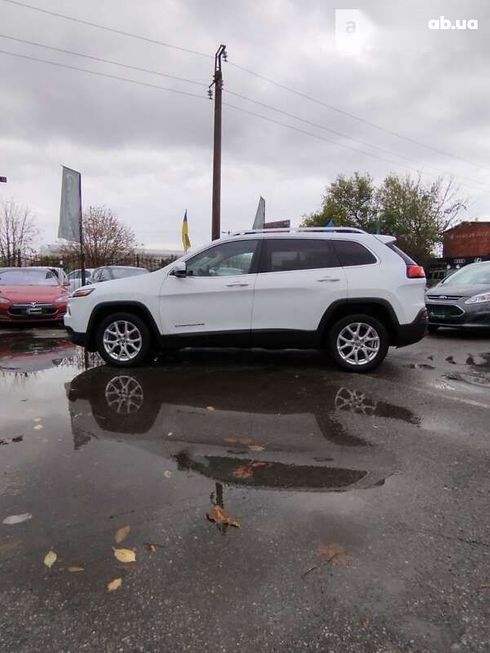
[[218, 92]]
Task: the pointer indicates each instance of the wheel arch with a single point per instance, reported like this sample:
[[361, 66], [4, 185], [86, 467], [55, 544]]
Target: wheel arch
[[375, 307], [104, 309]]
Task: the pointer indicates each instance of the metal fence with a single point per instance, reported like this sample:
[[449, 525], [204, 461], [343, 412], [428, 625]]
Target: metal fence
[[69, 263]]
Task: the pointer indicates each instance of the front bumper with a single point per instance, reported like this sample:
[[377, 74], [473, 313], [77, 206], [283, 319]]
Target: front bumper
[[76, 338], [459, 315], [408, 334]]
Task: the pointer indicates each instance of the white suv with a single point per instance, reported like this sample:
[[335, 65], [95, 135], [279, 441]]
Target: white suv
[[339, 289]]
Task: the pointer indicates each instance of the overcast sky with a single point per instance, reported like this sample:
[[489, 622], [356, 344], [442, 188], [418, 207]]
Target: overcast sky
[[147, 153]]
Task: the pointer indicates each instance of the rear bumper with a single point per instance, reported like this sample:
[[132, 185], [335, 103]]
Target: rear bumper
[[408, 334]]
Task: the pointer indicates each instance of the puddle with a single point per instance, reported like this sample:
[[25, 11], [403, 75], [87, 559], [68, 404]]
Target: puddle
[[419, 366], [479, 360], [481, 380]]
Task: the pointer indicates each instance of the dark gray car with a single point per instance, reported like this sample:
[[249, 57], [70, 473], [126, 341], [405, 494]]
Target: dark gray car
[[462, 300]]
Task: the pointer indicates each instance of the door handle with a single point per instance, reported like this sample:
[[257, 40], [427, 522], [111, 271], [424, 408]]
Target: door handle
[[328, 279], [236, 285]]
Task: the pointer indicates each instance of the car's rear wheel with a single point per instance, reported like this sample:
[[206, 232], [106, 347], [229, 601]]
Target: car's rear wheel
[[358, 343], [124, 340], [432, 328]]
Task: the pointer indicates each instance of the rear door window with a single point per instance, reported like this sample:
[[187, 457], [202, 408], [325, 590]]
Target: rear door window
[[351, 253], [285, 255]]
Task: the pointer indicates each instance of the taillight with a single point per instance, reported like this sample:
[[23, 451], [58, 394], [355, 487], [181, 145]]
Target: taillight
[[415, 272]]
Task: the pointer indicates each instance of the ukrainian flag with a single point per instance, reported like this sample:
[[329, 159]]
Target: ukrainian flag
[[185, 233]]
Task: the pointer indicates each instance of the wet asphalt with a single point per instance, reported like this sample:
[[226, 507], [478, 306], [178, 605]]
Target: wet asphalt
[[362, 500]]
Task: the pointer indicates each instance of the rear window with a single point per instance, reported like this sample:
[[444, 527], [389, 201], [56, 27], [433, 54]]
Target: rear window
[[351, 253], [401, 254], [287, 254]]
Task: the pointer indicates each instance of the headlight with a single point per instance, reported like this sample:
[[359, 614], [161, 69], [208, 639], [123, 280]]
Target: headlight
[[4, 300], [82, 292], [479, 299]]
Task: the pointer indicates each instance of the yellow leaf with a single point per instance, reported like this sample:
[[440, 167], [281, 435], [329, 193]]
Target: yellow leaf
[[210, 408], [75, 568], [256, 447], [219, 516], [151, 547], [114, 584], [334, 554], [38, 427], [50, 558], [125, 555], [121, 534]]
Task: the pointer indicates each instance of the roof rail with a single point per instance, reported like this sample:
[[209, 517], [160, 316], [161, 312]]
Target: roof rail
[[345, 230]]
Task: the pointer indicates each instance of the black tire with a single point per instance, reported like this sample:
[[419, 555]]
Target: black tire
[[145, 344], [432, 328], [365, 362]]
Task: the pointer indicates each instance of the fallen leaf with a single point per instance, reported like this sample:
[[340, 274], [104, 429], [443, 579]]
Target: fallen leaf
[[334, 555], [50, 558], [210, 408], [167, 473], [36, 419], [74, 569], [125, 555], [38, 427], [121, 534], [152, 547], [247, 471], [231, 440], [17, 519], [256, 447], [219, 516], [114, 584]]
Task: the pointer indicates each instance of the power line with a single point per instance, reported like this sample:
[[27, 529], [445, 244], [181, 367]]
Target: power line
[[201, 97], [99, 74], [238, 95], [101, 60], [337, 133], [321, 138], [248, 71], [107, 29], [350, 115]]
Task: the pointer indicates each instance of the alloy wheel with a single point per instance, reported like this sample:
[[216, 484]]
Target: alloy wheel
[[122, 340], [358, 344]]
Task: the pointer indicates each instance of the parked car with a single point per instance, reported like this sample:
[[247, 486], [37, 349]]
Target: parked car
[[111, 272], [31, 294], [462, 300], [343, 290], [75, 278]]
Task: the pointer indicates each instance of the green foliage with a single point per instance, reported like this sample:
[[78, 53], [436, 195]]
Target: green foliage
[[415, 212]]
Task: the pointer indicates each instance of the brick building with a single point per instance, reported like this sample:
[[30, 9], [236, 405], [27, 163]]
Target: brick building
[[467, 242]]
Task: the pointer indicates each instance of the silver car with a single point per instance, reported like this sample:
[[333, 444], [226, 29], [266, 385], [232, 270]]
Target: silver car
[[461, 300]]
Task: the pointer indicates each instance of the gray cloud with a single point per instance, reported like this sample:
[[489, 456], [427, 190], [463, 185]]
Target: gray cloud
[[147, 153]]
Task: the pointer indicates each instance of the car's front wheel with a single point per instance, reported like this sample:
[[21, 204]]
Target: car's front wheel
[[124, 340], [358, 343]]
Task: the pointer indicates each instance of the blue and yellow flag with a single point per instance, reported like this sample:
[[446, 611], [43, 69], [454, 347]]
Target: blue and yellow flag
[[185, 233]]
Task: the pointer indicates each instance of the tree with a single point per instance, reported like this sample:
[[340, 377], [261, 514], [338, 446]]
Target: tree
[[348, 202], [417, 213], [18, 231], [105, 238]]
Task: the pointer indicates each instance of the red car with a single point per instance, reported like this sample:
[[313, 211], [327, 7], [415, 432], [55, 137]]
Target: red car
[[31, 295]]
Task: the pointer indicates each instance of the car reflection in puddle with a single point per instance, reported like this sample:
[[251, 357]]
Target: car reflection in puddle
[[269, 431], [24, 354]]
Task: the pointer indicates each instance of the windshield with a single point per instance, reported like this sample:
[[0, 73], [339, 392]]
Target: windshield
[[472, 274], [120, 273], [23, 277]]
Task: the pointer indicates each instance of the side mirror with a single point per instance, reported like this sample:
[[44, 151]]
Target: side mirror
[[179, 269]]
